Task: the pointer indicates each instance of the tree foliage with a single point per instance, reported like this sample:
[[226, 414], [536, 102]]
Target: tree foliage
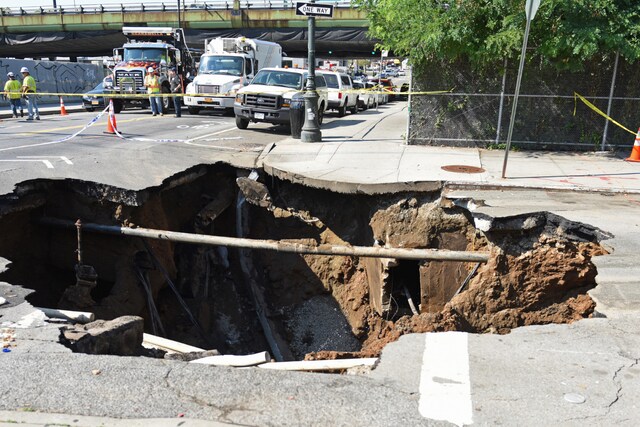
[[564, 33]]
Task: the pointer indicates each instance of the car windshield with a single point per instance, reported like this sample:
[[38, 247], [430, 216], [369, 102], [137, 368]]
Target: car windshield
[[332, 81], [146, 54], [228, 65], [278, 78]]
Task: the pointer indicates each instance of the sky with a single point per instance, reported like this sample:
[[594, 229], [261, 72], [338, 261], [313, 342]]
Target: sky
[[63, 3]]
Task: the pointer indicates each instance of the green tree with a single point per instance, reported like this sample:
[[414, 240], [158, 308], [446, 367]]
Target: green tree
[[565, 33]]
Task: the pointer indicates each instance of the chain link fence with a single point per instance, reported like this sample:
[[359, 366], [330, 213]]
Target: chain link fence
[[476, 112]]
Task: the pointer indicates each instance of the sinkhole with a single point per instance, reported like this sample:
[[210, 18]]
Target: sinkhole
[[539, 267]]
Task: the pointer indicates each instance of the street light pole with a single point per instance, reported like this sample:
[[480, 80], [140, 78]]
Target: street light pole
[[311, 129]]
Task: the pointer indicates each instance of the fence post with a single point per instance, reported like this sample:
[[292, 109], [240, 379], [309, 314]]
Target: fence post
[[613, 85], [504, 81]]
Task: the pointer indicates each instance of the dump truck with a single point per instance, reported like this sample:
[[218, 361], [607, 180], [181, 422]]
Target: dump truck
[[227, 65], [159, 48]]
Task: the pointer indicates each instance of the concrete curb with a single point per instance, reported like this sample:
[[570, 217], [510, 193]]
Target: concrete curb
[[25, 418]]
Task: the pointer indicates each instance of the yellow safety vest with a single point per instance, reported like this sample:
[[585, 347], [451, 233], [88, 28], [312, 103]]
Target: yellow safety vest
[[29, 83], [12, 89], [152, 83]]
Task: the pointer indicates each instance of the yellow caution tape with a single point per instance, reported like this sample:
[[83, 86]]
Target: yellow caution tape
[[597, 110], [378, 90]]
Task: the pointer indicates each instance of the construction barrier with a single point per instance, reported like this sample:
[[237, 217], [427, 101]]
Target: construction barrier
[[635, 151], [63, 110], [111, 121]]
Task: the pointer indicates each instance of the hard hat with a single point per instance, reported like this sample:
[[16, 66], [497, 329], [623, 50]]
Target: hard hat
[[24, 70], [150, 70], [10, 74]]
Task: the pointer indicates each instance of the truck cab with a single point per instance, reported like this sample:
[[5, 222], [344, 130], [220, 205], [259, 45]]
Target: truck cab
[[228, 65], [158, 48]]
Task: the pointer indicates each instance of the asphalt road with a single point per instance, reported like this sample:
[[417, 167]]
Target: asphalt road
[[43, 149]]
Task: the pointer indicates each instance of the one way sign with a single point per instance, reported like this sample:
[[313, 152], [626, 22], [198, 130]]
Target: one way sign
[[312, 9]]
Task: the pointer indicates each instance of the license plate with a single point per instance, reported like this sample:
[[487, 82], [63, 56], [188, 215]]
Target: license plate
[[208, 100], [95, 102], [259, 116]]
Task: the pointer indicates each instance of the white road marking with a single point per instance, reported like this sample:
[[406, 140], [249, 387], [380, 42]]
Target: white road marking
[[47, 163], [445, 387], [210, 134], [63, 158]]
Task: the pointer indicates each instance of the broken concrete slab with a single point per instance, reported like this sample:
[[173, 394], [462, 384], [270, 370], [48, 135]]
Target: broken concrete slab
[[121, 336]]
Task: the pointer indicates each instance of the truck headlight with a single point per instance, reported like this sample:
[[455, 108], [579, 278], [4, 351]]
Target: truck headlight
[[286, 102]]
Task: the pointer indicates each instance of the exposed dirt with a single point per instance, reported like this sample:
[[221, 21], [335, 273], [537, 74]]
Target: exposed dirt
[[539, 270]]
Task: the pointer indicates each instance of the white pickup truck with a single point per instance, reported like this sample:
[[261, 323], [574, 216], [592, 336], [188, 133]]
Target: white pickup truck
[[268, 97], [342, 96]]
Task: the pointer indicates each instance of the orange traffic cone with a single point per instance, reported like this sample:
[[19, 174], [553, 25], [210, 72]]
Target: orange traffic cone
[[63, 111], [112, 127], [635, 152]]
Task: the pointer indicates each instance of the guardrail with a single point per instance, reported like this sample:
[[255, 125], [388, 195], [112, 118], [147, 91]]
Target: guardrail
[[161, 7]]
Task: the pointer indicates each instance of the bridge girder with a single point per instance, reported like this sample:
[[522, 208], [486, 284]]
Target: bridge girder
[[96, 34]]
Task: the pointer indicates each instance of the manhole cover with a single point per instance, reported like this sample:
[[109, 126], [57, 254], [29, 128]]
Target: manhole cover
[[462, 169]]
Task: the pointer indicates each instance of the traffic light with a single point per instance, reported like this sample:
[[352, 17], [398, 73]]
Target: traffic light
[[373, 52], [330, 52]]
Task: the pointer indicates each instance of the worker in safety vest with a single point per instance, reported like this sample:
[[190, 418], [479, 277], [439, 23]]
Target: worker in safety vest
[[12, 91], [152, 83], [29, 93]]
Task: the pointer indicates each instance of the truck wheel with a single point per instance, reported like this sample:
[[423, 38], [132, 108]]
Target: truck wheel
[[242, 123], [354, 109], [194, 110], [343, 110]]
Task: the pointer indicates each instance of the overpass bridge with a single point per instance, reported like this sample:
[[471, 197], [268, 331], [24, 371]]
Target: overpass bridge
[[94, 30]]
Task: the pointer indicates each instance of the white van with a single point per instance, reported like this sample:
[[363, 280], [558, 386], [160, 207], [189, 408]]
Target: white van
[[342, 96]]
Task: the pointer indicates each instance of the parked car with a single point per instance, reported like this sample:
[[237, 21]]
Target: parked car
[[388, 87], [366, 98], [381, 96], [90, 101], [342, 97], [403, 91]]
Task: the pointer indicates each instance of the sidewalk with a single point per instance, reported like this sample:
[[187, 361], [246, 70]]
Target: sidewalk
[[554, 374], [348, 158]]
